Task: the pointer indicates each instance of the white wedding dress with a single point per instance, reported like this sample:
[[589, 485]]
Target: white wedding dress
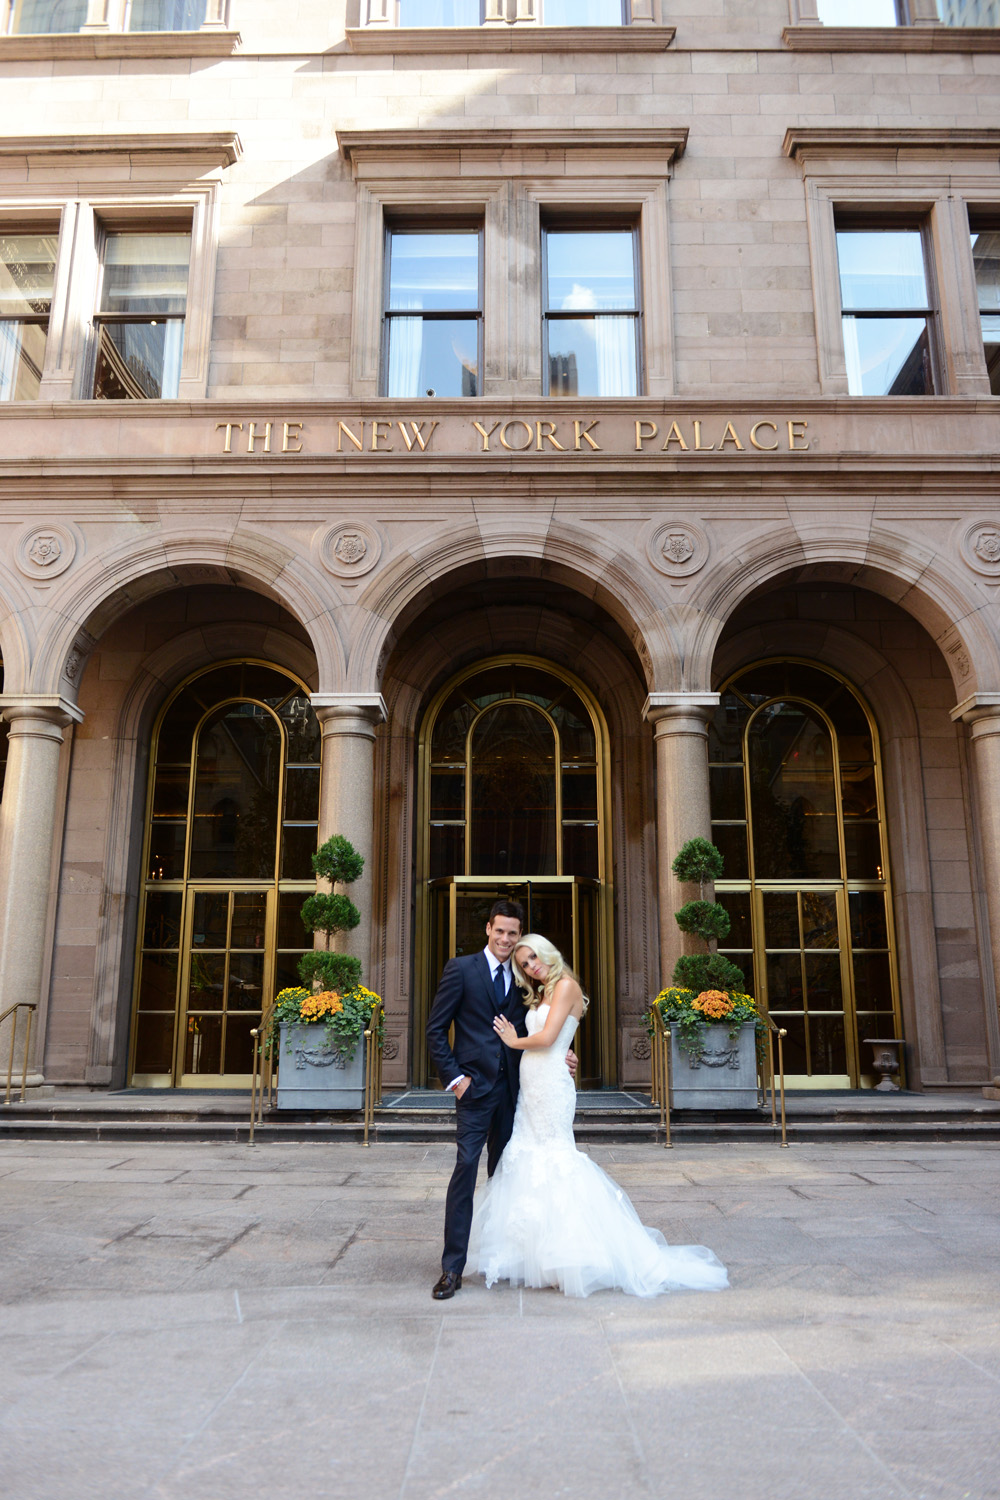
[[550, 1217]]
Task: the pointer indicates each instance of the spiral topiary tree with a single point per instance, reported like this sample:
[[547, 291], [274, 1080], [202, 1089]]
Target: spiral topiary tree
[[330, 913], [699, 863]]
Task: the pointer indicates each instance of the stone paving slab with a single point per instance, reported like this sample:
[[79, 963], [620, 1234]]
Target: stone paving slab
[[203, 1322]]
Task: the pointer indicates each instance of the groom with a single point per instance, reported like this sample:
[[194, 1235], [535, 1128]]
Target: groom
[[479, 1070]]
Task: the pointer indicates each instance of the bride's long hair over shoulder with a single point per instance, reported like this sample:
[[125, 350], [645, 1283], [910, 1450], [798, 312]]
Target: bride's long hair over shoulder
[[537, 993]]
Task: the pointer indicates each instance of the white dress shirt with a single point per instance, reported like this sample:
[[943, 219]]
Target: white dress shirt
[[494, 964]]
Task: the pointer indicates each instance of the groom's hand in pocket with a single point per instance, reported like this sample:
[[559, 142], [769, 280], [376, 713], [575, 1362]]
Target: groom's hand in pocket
[[461, 1086], [571, 1062]]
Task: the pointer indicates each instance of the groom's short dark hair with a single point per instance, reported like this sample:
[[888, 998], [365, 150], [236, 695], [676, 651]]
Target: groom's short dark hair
[[507, 909]]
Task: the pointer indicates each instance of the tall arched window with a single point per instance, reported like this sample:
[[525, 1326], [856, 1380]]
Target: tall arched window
[[232, 823], [797, 812], [513, 790]]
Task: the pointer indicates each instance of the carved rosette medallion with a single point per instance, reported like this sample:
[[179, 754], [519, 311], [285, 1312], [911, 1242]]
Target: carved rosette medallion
[[390, 1048], [677, 548], [642, 1049], [980, 548], [43, 552], [349, 550]]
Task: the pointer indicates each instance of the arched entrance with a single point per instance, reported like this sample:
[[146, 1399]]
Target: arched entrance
[[3, 737], [232, 816], [513, 796], [797, 811]]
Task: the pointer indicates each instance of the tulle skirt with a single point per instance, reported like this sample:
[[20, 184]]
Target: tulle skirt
[[549, 1217]]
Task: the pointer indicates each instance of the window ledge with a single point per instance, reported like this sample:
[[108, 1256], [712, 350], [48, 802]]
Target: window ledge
[[803, 140], [892, 38], [407, 40], [57, 46], [220, 146], [650, 149]]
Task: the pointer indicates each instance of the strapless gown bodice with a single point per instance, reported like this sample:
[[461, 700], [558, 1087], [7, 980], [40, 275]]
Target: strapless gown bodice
[[550, 1216]]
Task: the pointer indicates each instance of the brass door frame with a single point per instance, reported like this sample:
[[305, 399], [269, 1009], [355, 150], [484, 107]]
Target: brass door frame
[[425, 982]]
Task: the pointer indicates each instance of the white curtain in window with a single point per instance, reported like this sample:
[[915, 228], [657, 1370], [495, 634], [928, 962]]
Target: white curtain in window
[[10, 349], [406, 342], [615, 356], [173, 351]]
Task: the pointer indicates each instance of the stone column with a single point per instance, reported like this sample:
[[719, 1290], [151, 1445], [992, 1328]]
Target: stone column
[[680, 722], [983, 717], [347, 796], [28, 820]]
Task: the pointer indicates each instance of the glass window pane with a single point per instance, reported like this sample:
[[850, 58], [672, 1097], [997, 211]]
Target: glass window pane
[[299, 843], [447, 851], [291, 933], [206, 985], [590, 270], [793, 806], [246, 981], [177, 730], [888, 356], [210, 924], [582, 12], [158, 983], [138, 361], [166, 851], [22, 359], [513, 793], [448, 795], [236, 794], [725, 732], [824, 985], [439, 12], [434, 272], [820, 928], [580, 849], [302, 728], [863, 850], [433, 357], [781, 919], [579, 790], [592, 356], [858, 12], [249, 919], [239, 1043], [302, 794], [170, 792], [203, 1048], [881, 269], [27, 271], [857, 790], [986, 257], [727, 794], [827, 1044], [154, 1043], [166, 15], [731, 841], [868, 921], [162, 922], [784, 982], [738, 906], [145, 273], [872, 984], [31, 16]]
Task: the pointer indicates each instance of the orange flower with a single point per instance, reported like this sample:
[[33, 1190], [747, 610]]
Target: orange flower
[[326, 1003], [714, 1004]]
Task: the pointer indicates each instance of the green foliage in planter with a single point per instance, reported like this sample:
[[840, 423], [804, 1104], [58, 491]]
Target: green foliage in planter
[[325, 913], [706, 918], [698, 862], [344, 1015], [333, 971], [338, 861], [708, 971], [681, 1010], [331, 912]]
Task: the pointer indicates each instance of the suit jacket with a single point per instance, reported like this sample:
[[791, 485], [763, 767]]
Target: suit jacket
[[466, 997]]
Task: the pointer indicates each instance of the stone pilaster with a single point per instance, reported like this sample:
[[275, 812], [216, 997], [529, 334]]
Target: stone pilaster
[[983, 717], [680, 722], [28, 821], [347, 796]]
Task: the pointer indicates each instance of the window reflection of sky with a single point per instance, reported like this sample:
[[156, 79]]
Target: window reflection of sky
[[858, 12], [434, 272], [590, 270], [881, 268]]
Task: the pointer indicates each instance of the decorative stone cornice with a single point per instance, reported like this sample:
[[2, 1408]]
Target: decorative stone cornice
[[55, 46], [820, 140], [977, 706], [660, 705], [891, 38], [406, 41], [221, 147], [641, 150], [50, 706], [369, 706]]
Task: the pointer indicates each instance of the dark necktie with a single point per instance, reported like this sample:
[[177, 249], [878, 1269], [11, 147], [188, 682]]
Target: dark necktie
[[499, 989]]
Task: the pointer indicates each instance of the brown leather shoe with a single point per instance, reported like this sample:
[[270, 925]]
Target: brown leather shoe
[[447, 1286]]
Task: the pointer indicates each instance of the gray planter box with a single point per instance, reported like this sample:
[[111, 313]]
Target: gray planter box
[[314, 1075], [722, 1076]]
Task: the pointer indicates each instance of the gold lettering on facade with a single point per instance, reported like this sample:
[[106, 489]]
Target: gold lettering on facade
[[699, 446], [229, 428], [546, 431], [729, 436], [378, 436], [344, 431], [485, 435], [764, 447], [793, 434], [583, 434], [253, 436], [674, 436], [641, 436], [291, 442], [416, 434], [512, 447]]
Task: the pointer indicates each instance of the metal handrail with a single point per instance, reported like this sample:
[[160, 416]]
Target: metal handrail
[[772, 1032], [660, 1086], [262, 1076], [373, 1067], [30, 1006]]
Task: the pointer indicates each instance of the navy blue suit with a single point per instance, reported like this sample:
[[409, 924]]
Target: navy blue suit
[[485, 1113]]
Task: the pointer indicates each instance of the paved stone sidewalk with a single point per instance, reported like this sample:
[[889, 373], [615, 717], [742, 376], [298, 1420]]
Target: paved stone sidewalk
[[182, 1322]]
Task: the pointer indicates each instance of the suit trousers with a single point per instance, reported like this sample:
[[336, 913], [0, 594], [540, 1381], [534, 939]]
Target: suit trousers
[[487, 1121]]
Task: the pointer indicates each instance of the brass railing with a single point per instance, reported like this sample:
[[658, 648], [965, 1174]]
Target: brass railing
[[767, 1081], [373, 1067], [660, 1091], [30, 1007], [262, 1084]]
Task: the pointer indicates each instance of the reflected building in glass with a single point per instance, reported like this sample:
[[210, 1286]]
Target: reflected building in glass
[[519, 436]]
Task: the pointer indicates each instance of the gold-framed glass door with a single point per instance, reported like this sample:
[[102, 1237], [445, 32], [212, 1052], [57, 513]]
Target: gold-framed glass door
[[797, 811], [513, 778], [232, 821]]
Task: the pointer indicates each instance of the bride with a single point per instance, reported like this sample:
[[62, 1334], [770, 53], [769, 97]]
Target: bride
[[549, 1216]]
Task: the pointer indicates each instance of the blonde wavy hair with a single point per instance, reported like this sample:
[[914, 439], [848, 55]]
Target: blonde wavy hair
[[537, 994]]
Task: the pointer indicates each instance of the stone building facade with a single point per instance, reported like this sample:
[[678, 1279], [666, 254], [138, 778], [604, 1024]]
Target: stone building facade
[[519, 439]]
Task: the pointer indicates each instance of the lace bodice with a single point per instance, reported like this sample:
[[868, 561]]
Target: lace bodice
[[547, 1098]]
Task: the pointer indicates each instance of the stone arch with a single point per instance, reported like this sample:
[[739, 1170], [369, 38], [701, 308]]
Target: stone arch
[[15, 642], [159, 674], [886, 695], [953, 608], [583, 561], [118, 579]]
